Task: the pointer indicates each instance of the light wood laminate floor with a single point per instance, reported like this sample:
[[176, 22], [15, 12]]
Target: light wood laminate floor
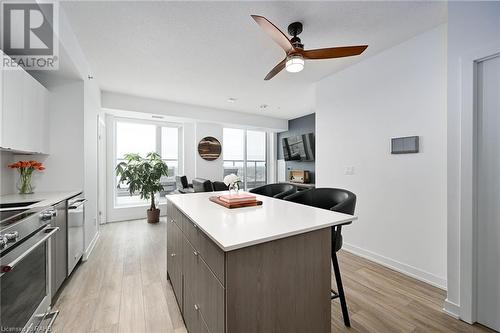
[[123, 288]]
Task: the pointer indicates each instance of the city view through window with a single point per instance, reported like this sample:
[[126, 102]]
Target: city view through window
[[146, 138], [248, 161]]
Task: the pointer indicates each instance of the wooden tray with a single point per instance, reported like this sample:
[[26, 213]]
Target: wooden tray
[[235, 205]]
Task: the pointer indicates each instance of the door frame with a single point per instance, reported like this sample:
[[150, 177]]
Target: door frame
[[468, 180]]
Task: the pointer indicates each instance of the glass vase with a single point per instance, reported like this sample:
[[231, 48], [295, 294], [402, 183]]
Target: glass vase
[[24, 185], [234, 188]]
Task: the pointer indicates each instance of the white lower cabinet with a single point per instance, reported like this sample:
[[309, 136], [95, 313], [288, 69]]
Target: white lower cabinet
[[24, 120]]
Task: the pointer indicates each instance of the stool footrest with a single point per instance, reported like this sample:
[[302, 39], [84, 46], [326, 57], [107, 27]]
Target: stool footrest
[[334, 294]]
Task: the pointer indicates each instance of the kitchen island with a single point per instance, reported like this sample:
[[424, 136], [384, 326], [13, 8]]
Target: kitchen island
[[257, 269]]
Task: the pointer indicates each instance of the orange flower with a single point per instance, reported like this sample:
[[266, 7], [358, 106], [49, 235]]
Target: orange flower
[[27, 164]]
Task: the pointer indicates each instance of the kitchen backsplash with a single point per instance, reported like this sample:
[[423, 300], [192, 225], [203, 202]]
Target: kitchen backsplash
[[7, 176]]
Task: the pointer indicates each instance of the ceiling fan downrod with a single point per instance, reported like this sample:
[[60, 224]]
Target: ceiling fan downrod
[[294, 29]]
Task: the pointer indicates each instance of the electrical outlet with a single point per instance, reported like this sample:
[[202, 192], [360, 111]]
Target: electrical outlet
[[349, 170]]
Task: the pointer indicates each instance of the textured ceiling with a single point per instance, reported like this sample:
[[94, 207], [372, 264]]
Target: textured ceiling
[[205, 52]]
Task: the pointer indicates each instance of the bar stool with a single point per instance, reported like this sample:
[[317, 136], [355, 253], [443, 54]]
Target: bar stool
[[338, 200]]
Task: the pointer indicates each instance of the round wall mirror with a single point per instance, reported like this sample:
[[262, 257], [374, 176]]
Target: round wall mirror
[[209, 148]]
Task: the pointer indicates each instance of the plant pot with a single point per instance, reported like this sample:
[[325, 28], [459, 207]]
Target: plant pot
[[153, 215]]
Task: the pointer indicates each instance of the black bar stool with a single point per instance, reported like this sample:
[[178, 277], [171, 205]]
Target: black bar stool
[[278, 190], [338, 200]]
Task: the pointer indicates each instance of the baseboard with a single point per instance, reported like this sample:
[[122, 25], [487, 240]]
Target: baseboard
[[397, 266], [451, 309], [89, 249]]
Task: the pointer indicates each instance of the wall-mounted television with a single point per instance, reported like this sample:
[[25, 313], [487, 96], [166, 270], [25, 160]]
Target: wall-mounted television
[[299, 148]]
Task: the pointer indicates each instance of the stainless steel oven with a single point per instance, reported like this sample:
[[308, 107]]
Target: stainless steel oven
[[25, 271]]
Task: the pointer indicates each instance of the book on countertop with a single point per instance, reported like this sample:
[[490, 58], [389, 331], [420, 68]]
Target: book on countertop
[[238, 198]]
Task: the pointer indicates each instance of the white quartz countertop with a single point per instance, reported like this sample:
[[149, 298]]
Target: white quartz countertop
[[43, 198], [233, 229]]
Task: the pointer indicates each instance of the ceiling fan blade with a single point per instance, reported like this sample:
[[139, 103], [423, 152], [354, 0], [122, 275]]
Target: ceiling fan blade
[[276, 34], [278, 68], [333, 52]]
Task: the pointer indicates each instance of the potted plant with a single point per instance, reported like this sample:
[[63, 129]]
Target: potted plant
[[142, 175]]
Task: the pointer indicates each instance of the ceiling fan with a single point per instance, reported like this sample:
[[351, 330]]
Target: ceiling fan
[[294, 49]]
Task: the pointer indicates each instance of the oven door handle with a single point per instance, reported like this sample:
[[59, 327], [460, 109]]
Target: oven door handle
[[77, 203], [7, 268]]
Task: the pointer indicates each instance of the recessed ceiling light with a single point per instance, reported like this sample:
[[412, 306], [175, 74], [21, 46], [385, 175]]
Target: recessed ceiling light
[[263, 106], [231, 100]]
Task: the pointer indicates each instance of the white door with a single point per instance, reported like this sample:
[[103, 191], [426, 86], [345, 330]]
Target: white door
[[101, 169], [488, 194]]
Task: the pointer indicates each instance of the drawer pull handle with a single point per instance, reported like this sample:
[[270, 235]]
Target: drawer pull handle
[[196, 307], [195, 253], [172, 254]]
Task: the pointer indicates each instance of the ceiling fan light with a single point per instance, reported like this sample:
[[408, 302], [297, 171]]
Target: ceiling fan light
[[294, 63]]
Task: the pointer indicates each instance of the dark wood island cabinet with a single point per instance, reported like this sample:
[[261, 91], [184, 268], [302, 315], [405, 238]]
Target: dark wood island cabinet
[[230, 279]]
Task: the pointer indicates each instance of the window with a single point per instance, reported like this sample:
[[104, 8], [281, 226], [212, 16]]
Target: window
[[170, 149], [142, 138], [245, 155], [256, 172], [233, 150]]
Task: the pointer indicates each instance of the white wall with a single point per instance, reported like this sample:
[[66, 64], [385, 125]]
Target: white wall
[[65, 164], [471, 26], [7, 175], [189, 137], [401, 199], [212, 170], [117, 101]]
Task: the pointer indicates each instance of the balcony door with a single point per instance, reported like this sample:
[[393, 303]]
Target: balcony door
[[245, 154], [141, 137]]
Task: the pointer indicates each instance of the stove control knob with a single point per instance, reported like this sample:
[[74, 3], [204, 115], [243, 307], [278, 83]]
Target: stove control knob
[[45, 216], [3, 241], [11, 235]]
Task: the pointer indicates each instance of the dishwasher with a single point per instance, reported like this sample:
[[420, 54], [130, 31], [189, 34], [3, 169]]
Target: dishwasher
[[76, 218]]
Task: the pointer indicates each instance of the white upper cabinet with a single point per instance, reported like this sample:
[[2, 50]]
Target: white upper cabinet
[[12, 134], [24, 120]]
